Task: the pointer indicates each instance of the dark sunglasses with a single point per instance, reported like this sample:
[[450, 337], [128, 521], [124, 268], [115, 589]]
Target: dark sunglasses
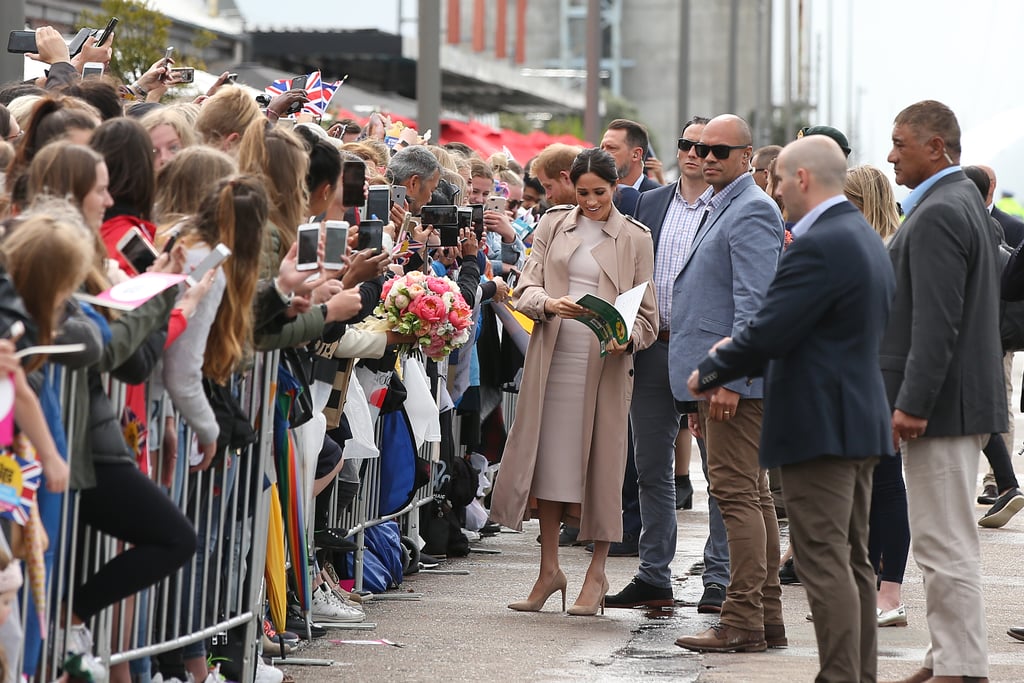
[[721, 152], [685, 145]]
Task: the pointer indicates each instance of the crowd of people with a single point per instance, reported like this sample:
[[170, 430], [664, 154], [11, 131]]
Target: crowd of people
[[836, 356]]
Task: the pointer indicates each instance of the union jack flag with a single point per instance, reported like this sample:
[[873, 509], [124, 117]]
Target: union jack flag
[[319, 92], [18, 490]]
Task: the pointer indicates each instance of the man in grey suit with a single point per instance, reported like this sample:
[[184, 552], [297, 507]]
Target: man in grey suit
[[942, 363], [721, 286], [826, 421]]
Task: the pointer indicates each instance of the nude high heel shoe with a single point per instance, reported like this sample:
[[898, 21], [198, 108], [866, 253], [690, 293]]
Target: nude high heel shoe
[[558, 583], [578, 610]]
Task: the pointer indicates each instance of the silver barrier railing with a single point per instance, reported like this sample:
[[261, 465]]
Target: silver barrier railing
[[215, 591]]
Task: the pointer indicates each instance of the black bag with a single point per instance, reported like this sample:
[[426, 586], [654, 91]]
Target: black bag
[[236, 431]]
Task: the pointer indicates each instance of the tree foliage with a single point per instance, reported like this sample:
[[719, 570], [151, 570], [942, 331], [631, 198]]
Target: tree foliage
[[140, 38]]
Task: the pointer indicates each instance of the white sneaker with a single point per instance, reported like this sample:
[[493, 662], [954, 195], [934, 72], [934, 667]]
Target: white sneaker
[[329, 607], [78, 640], [471, 536], [266, 673]]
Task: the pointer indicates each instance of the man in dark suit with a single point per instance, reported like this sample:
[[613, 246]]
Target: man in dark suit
[[941, 360], [826, 421], [627, 142], [1013, 227]]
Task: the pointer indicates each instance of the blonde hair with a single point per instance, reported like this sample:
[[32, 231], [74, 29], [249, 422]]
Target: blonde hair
[[281, 158], [51, 233], [503, 171], [188, 111], [21, 108], [454, 178], [870, 191], [230, 111], [444, 157], [500, 161], [371, 150], [182, 182], [169, 117]]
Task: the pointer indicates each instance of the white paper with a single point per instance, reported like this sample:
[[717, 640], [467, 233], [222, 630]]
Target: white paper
[[628, 305]]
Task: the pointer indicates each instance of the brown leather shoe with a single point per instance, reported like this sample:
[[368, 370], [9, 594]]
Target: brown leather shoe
[[775, 635], [920, 676], [725, 638]]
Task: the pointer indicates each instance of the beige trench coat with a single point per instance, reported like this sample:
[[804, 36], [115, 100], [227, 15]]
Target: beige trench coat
[[626, 259]]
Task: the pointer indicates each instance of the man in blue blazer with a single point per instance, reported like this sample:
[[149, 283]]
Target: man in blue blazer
[[826, 419], [720, 286]]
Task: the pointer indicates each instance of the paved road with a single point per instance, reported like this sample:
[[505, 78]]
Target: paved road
[[460, 629]]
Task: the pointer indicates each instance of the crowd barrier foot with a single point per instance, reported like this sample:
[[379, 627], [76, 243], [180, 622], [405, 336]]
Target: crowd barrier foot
[[301, 661], [445, 572], [485, 551], [411, 597], [347, 625]]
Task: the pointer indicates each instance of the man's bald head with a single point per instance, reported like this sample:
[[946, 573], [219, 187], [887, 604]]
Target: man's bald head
[[730, 136], [732, 126], [811, 170], [991, 183]]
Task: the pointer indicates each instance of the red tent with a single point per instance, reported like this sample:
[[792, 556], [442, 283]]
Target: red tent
[[484, 139]]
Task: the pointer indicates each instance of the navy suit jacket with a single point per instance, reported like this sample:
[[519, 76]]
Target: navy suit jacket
[[646, 185], [1013, 227], [819, 332]]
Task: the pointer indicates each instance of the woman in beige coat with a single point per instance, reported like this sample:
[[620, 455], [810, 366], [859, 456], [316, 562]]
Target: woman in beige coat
[[566, 452]]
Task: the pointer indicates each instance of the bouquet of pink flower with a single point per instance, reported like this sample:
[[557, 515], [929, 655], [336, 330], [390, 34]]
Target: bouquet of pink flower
[[429, 308]]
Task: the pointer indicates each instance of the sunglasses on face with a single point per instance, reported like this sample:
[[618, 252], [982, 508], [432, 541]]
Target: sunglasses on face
[[685, 145], [721, 152]]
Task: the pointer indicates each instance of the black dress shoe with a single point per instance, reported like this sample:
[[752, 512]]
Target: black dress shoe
[[988, 495], [711, 601], [333, 539], [1016, 632], [639, 593], [787, 573]]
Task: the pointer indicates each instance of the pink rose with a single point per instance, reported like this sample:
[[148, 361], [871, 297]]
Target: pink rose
[[428, 308], [437, 285], [387, 288]]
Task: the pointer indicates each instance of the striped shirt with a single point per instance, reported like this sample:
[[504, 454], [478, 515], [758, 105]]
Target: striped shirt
[[682, 221]]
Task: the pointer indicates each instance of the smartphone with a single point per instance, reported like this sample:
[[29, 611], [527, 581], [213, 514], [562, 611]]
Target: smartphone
[[378, 202], [371, 235], [309, 241], [104, 35], [212, 260], [137, 250], [186, 74], [445, 215], [496, 204], [512, 279], [15, 331], [76, 44], [449, 235], [335, 244], [20, 42], [478, 220], [353, 179], [171, 242], [464, 217], [299, 82], [92, 69], [232, 79], [398, 194]]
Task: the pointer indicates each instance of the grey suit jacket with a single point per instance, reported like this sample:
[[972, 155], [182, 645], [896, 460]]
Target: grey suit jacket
[[941, 356], [723, 281]]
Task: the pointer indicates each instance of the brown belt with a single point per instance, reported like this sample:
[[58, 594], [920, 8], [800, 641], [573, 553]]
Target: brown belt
[[663, 335]]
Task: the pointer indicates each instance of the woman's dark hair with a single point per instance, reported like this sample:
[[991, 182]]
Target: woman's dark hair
[[324, 160], [532, 182], [128, 151], [98, 92], [597, 161]]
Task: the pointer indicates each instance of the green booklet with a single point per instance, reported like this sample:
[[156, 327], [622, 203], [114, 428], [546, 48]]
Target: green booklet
[[612, 320]]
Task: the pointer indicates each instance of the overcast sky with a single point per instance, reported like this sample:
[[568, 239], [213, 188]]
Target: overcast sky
[[965, 54]]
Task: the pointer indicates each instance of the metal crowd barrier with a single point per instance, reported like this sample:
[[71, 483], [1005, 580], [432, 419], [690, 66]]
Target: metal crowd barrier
[[213, 592]]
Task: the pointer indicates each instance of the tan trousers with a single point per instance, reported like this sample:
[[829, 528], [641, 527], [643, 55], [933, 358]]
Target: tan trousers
[[941, 473], [740, 485], [828, 500]]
